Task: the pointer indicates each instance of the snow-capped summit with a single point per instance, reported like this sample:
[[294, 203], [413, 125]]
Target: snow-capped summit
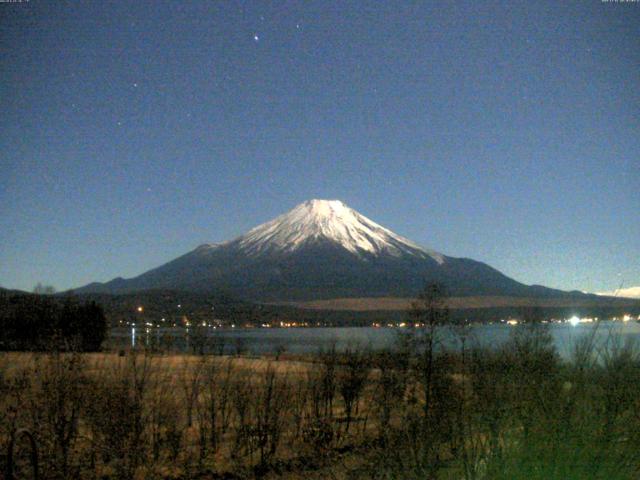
[[328, 220]]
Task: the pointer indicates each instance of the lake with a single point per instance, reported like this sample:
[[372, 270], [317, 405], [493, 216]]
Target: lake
[[311, 340]]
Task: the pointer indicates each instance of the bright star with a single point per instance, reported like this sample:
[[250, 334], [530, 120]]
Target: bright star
[[256, 37]]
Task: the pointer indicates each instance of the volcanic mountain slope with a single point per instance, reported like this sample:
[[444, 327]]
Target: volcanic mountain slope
[[321, 249]]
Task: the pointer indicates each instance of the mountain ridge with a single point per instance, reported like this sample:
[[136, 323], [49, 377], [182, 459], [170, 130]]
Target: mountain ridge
[[321, 249]]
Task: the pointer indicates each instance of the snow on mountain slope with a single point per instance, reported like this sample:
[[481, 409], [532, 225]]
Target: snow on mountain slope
[[331, 220], [631, 292]]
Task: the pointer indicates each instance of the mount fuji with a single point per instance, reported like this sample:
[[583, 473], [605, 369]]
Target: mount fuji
[[321, 249]]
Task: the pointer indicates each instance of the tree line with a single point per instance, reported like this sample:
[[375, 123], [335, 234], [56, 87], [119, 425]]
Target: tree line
[[43, 322]]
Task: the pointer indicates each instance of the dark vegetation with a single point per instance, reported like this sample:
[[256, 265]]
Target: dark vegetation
[[420, 411], [42, 322]]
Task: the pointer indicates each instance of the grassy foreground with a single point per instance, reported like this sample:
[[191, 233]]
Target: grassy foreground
[[419, 412]]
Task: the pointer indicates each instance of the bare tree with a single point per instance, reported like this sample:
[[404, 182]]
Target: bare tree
[[351, 381], [191, 383], [429, 313]]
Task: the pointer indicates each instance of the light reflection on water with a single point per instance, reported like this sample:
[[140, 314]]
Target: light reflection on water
[[311, 340]]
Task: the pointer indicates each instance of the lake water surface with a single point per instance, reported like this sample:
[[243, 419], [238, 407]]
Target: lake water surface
[[311, 340]]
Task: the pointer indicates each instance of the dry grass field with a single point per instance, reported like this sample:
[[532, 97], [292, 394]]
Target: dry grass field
[[403, 304]]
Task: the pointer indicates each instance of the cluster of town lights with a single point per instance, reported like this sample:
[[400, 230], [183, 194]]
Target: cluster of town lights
[[574, 321]]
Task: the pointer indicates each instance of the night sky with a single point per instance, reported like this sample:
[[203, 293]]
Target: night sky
[[507, 132]]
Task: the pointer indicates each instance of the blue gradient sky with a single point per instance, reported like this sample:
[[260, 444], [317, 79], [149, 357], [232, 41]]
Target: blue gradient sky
[[507, 132]]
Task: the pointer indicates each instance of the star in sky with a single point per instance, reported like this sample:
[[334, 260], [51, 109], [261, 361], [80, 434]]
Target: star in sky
[[256, 37]]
